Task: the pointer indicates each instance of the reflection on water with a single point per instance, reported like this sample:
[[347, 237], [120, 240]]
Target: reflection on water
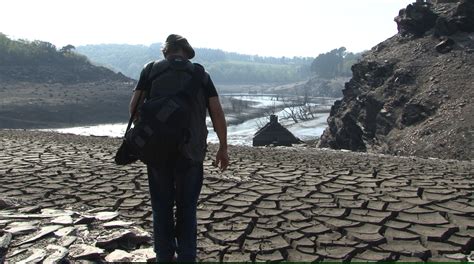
[[240, 134]]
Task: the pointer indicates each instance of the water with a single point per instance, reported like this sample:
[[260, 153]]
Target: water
[[240, 134]]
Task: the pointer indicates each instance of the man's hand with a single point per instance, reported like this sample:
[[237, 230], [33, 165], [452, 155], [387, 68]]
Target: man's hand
[[218, 121], [222, 159]]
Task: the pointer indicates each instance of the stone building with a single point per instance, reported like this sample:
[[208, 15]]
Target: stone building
[[274, 133]]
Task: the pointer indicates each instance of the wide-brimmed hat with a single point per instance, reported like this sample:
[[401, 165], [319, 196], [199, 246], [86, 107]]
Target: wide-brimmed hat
[[178, 40]]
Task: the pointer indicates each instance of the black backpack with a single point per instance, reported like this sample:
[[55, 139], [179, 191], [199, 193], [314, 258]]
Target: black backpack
[[163, 125]]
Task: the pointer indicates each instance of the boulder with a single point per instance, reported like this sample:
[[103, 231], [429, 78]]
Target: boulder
[[464, 16], [445, 27], [415, 19], [414, 113]]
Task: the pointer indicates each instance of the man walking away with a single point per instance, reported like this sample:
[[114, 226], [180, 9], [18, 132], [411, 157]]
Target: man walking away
[[178, 180]]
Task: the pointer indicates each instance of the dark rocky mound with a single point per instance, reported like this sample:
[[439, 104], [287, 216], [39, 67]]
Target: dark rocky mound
[[411, 94]]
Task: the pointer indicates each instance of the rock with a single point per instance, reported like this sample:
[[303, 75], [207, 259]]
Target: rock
[[55, 212], [414, 113], [84, 220], [30, 209], [24, 216], [444, 27], [16, 253], [56, 254], [6, 203], [83, 251], [119, 256], [45, 230], [415, 19], [445, 46], [5, 240], [65, 231], [106, 216], [24, 228], [117, 224], [457, 256], [63, 220], [66, 241], [113, 240], [37, 256], [3, 223], [143, 255], [464, 16], [378, 103]]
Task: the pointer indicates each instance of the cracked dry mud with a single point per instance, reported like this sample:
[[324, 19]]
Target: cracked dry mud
[[295, 204]]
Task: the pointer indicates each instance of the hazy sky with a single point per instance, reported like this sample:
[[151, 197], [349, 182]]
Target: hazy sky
[[264, 27]]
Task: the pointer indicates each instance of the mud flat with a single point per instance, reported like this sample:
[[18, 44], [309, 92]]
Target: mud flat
[[62, 198]]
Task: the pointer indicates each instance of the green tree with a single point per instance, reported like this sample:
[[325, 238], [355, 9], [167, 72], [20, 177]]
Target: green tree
[[67, 49]]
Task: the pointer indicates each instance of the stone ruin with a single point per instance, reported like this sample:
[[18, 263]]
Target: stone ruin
[[273, 133]]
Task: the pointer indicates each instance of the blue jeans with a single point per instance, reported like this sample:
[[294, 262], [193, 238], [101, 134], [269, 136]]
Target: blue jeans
[[180, 182]]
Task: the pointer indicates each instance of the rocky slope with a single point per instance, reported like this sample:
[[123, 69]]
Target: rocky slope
[[412, 94]]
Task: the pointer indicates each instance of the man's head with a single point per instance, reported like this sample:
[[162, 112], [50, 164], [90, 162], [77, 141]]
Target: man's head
[[176, 43]]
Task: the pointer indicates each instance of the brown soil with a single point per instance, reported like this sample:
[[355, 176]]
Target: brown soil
[[50, 105]]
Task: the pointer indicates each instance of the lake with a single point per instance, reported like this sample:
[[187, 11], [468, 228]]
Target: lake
[[238, 134]]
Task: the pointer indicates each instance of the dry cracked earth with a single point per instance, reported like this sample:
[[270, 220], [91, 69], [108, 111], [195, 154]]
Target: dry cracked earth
[[65, 199]]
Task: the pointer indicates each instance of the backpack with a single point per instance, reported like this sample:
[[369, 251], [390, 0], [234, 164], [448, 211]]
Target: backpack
[[163, 125]]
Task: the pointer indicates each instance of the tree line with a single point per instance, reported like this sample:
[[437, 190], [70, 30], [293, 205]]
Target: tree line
[[24, 52], [335, 63], [225, 67]]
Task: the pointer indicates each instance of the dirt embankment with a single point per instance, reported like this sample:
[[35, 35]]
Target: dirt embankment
[[412, 94], [50, 105]]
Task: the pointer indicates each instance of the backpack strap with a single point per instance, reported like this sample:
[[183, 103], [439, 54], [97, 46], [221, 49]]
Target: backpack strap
[[199, 75], [155, 69]]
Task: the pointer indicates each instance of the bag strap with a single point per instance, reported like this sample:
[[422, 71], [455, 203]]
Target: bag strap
[[197, 77], [133, 115]]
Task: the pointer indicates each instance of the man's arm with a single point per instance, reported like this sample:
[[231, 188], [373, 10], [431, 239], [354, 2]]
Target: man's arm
[[137, 95], [220, 126]]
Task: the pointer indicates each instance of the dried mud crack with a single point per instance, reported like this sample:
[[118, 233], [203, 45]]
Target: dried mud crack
[[63, 198]]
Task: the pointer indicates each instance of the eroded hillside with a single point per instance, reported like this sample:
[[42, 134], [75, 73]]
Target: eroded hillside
[[412, 94]]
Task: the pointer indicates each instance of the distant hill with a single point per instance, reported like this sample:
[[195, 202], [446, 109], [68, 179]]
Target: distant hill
[[43, 87], [40, 61], [412, 94], [224, 67]]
